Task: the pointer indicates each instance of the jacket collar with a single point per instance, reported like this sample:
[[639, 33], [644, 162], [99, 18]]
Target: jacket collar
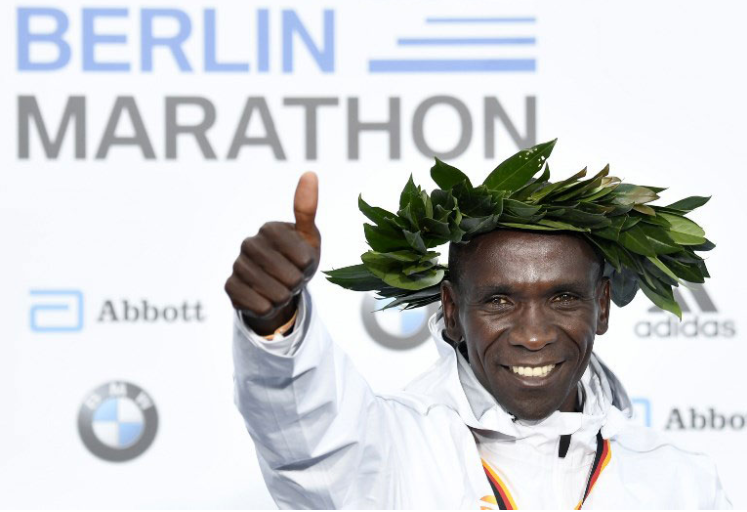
[[452, 383]]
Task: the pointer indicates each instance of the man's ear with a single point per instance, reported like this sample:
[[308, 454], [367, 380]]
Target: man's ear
[[603, 319], [450, 306]]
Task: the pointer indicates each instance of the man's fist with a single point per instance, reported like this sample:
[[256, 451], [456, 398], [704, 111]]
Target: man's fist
[[276, 263]]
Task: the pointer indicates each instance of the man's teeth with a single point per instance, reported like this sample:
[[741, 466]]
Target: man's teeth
[[533, 371]]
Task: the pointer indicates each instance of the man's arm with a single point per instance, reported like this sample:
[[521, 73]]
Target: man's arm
[[318, 428], [315, 422]]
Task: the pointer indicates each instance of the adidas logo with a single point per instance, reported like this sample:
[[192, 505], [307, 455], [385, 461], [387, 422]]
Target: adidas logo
[[700, 318]]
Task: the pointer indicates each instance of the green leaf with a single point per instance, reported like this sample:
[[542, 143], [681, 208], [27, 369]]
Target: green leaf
[[656, 220], [383, 241], [417, 298], [476, 202], [645, 210], [404, 256], [612, 232], [391, 272], [660, 240], [473, 226], [562, 226], [607, 186], [415, 240], [690, 273], [516, 171], [417, 267], [443, 203], [438, 228], [558, 187], [408, 193], [375, 214], [624, 287], [532, 186], [663, 302], [609, 250], [661, 266], [520, 209], [530, 227], [628, 194], [415, 281], [387, 222], [581, 218], [689, 203], [707, 246], [635, 240], [446, 176], [684, 231], [582, 187], [355, 277], [457, 233]]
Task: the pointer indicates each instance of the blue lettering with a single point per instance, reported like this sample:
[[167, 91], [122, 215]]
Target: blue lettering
[[174, 43], [26, 37], [91, 39], [263, 40], [211, 61], [325, 58]]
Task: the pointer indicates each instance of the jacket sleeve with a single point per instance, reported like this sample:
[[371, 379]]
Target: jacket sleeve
[[315, 422]]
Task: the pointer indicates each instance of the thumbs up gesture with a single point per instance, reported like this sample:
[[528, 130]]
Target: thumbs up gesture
[[276, 264]]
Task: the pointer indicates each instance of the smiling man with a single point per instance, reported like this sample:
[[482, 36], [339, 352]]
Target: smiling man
[[517, 411], [530, 304]]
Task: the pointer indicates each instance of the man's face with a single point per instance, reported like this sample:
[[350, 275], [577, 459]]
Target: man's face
[[528, 306]]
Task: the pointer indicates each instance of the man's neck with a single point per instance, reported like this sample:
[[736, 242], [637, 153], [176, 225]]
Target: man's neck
[[572, 402]]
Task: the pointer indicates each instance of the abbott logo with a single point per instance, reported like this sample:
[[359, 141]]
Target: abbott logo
[[56, 311], [700, 318], [393, 328], [641, 411]]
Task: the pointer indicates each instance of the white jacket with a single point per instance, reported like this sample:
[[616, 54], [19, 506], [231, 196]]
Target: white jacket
[[326, 440]]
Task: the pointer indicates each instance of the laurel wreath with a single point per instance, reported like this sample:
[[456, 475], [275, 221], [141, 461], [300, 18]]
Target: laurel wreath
[[645, 246]]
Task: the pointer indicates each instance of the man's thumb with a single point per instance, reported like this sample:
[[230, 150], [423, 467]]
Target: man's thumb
[[304, 206]]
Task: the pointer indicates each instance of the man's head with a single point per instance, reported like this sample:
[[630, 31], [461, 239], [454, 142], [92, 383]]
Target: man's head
[[525, 302]]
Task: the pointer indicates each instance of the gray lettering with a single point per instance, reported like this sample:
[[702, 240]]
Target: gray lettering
[[108, 311], [310, 106], [465, 121], [494, 109], [198, 130], [271, 139], [356, 126], [109, 139], [75, 109], [675, 421]]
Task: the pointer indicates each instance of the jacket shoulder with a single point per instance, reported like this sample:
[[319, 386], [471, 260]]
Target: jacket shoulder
[[418, 394], [656, 457]]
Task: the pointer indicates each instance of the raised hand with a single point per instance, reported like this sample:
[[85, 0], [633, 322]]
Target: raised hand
[[276, 264]]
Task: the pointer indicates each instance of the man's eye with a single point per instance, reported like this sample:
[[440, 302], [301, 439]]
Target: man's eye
[[564, 297], [500, 301]]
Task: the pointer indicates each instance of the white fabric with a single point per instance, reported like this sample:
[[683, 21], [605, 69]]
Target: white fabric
[[325, 440]]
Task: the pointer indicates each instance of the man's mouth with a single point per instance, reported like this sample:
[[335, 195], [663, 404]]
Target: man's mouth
[[533, 371]]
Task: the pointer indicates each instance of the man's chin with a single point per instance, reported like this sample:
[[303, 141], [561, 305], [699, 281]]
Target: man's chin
[[529, 406], [533, 415]]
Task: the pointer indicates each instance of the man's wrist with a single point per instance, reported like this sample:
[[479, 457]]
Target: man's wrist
[[267, 326]]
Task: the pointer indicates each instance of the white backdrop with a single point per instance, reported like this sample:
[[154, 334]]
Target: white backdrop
[[655, 89]]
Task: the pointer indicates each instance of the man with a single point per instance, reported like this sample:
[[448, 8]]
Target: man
[[517, 412]]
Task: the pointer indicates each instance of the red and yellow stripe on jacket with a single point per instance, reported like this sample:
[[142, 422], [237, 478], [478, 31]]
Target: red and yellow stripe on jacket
[[502, 499]]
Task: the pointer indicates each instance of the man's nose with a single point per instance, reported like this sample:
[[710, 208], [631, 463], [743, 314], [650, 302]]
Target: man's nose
[[533, 329]]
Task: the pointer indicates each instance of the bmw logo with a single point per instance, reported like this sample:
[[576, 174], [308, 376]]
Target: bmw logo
[[394, 328], [117, 421]]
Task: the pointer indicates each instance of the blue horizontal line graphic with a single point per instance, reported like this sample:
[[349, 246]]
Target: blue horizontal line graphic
[[450, 65], [525, 19], [448, 41]]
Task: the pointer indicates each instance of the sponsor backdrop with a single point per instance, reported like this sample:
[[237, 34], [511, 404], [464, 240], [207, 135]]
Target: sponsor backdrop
[[142, 141]]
